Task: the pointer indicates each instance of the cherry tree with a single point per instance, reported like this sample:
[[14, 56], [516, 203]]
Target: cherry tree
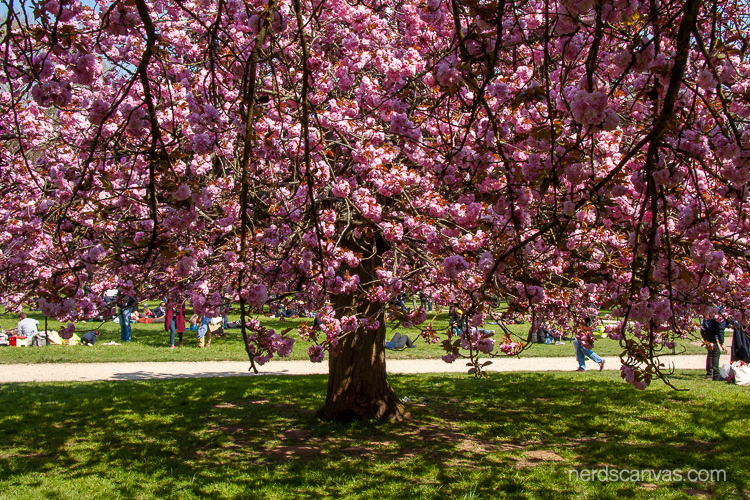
[[560, 156]]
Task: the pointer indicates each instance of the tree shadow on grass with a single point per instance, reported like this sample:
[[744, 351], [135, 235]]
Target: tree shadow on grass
[[512, 436]]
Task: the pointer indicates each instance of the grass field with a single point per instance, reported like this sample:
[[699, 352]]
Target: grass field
[[514, 436], [150, 342]]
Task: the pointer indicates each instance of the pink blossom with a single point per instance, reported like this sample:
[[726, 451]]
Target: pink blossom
[[256, 295], [52, 6], [182, 193], [454, 265], [577, 173], [706, 79], [286, 346], [87, 69], [95, 253], [447, 75], [262, 360], [349, 324], [341, 189], [68, 331], [486, 261], [186, 266], [486, 345], [701, 251], [449, 358], [393, 231], [623, 59], [98, 111], [50, 309], [202, 144], [611, 120], [535, 293], [589, 108], [509, 348], [52, 94], [316, 353]]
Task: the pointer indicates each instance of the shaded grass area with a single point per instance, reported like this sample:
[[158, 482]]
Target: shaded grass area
[[513, 436], [150, 343]]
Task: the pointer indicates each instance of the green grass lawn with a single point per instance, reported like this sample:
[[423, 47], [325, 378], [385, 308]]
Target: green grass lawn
[[150, 342], [516, 435]]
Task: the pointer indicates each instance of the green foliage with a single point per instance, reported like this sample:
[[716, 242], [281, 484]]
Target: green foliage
[[514, 436]]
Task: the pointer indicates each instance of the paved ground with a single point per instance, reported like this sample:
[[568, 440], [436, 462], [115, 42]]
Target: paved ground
[[61, 372]]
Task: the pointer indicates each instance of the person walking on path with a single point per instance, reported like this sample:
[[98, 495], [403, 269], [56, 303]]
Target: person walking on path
[[712, 332], [174, 321], [583, 342], [126, 304]]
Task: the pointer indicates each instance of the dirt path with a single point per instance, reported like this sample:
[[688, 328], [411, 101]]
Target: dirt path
[[67, 372]]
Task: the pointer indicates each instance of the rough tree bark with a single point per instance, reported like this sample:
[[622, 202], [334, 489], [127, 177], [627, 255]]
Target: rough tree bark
[[358, 388]]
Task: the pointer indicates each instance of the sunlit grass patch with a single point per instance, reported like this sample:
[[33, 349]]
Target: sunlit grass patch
[[515, 435]]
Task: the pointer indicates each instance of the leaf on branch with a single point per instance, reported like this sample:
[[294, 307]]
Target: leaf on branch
[[544, 186], [540, 132]]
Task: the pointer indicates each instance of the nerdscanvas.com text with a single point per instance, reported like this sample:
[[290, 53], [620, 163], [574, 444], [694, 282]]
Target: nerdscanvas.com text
[[607, 474]]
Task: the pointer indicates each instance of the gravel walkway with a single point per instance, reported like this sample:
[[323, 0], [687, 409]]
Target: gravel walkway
[[73, 372]]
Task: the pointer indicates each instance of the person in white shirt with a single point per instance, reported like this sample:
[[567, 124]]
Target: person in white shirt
[[27, 327]]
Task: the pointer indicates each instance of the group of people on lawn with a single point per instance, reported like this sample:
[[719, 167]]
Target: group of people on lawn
[[712, 332], [172, 314]]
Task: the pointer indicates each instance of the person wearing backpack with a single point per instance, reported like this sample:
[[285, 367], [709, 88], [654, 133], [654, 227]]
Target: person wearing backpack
[[712, 332]]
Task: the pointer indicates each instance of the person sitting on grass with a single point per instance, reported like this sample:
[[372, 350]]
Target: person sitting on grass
[[27, 327], [456, 321], [399, 342], [147, 313], [89, 338], [161, 310], [195, 322]]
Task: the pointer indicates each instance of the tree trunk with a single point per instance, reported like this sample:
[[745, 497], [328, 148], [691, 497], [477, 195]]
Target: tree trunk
[[358, 388]]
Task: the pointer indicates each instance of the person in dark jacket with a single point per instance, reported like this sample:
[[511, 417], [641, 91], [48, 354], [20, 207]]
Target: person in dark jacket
[[161, 310], [712, 332], [740, 343], [89, 338]]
